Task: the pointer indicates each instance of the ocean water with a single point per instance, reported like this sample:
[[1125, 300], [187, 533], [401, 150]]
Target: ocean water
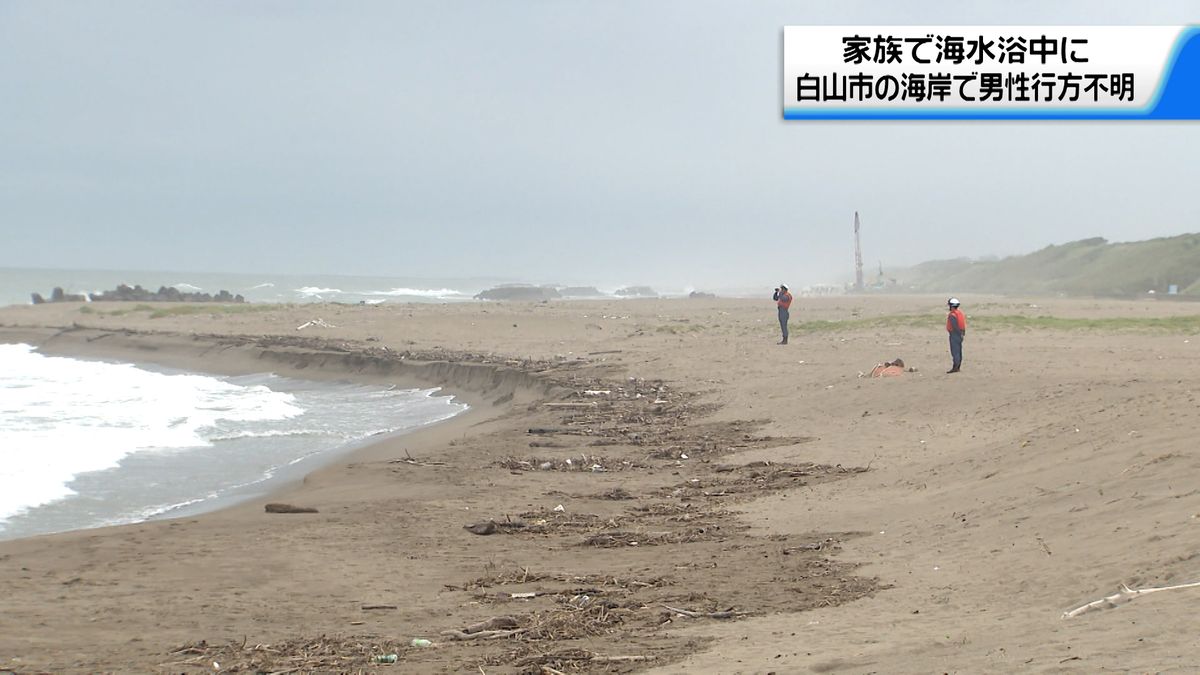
[[91, 443], [16, 285]]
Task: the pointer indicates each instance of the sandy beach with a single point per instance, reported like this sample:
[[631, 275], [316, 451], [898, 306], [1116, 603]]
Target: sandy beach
[[728, 505]]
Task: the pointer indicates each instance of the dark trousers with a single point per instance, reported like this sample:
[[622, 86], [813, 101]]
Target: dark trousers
[[956, 338], [783, 322]]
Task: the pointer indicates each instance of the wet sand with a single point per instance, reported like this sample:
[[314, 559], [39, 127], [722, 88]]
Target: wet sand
[[810, 520]]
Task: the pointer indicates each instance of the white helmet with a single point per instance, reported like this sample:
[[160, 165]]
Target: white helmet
[[953, 302]]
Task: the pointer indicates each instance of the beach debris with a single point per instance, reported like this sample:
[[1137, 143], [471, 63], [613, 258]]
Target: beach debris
[[571, 606], [1126, 594], [388, 658], [617, 538], [559, 508], [318, 322], [492, 527], [616, 493], [321, 654], [276, 507], [484, 528], [409, 459], [812, 546], [585, 462], [753, 479], [523, 575], [725, 614], [367, 608], [574, 657], [545, 430], [421, 642], [494, 628]]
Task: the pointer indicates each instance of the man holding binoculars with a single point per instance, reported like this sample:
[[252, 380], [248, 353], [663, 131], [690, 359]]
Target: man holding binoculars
[[783, 299]]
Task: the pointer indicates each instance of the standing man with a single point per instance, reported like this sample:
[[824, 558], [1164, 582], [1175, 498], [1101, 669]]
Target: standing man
[[956, 325], [783, 299]]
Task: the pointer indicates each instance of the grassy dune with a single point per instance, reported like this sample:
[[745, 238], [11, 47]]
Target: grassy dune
[[1088, 267]]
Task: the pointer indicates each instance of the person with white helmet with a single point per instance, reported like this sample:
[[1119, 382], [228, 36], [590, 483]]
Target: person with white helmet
[[956, 325]]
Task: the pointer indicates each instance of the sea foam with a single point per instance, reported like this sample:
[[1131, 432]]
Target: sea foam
[[87, 443], [61, 417]]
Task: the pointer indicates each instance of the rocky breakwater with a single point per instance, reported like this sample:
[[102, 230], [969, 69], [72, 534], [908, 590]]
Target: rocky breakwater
[[520, 292], [124, 293]]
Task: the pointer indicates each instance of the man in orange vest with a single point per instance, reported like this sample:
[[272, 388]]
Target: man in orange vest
[[783, 299], [956, 325]]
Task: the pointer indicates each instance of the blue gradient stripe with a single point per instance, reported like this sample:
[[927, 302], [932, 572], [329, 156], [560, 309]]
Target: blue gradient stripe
[[1177, 98]]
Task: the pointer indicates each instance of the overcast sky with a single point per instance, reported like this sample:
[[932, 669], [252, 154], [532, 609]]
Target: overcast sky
[[607, 142]]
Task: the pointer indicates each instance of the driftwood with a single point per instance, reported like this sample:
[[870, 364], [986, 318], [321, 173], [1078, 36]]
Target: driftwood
[[409, 459], [580, 655], [482, 635], [493, 623], [288, 508], [493, 629], [492, 527], [319, 323], [486, 527], [368, 607], [1121, 597], [727, 614]]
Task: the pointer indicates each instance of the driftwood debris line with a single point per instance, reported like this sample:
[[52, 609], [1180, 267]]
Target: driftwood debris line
[[581, 656], [640, 417], [1126, 594]]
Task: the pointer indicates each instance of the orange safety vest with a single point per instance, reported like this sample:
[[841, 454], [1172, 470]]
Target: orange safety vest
[[785, 300], [958, 316]]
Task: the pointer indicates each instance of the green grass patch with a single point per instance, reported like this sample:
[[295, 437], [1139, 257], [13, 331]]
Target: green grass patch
[[1169, 324], [1163, 324], [888, 321]]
